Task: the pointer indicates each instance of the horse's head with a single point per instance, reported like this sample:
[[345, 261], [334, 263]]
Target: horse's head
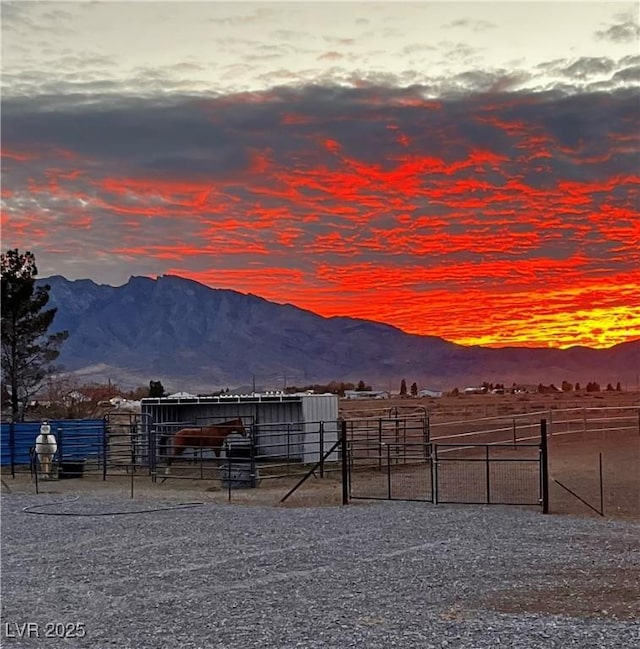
[[238, 427]]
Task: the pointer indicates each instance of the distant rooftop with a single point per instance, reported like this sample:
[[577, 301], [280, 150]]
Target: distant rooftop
[[253, 397]]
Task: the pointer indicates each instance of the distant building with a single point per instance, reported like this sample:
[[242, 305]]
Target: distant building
[[430, 393], [182, 395], [366, 394]]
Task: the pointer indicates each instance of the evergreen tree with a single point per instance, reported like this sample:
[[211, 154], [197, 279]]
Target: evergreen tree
[[28, 351], [403, 388], [156, 389], [414, 389]]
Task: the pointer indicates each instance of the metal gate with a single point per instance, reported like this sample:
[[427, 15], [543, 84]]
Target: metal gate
[[487, 474], [389, 458], [462, 473]]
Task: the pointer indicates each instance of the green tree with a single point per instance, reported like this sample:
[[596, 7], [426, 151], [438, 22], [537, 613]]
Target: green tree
[[414, 389], [28, 351], [156, 389], [618, 387], [403, 388]]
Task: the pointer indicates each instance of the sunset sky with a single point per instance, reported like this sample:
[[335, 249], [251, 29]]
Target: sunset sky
[[464, 170]]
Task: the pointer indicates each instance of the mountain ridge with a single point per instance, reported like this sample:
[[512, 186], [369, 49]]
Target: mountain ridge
[[191, 336]]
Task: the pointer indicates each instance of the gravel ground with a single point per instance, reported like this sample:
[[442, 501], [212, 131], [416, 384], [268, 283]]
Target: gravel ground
[[381, 575]]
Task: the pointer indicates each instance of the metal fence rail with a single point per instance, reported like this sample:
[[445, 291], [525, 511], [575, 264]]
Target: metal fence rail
[[605, 420], [277, 450]]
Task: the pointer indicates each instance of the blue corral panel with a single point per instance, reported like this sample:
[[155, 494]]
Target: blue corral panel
[[77, 439]]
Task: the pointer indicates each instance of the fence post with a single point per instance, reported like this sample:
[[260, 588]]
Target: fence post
[[404, 442], [380, 444], [152, 432], [601, 486], [389, 470], [60, 439], [398, 439], [488, 474], [105, 448], [345, 460], [133, 445], [434, 473], [426, 437], [322, 449], [288, 447], [544, 466], [428, 428], [515, 439]]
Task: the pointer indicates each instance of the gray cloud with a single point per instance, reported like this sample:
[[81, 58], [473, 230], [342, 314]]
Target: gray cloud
[[257, 16], [474, 25], [626, 32], [26, 17], [586, 67], [217, 135], [631, 74]]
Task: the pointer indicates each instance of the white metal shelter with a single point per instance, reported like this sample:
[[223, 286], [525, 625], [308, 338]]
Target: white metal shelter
[[301, 426]]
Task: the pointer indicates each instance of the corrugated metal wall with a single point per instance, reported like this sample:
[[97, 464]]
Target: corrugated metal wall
[[316, 409]]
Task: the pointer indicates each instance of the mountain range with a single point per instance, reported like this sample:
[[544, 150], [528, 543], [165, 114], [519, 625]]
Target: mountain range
[[195, 338]]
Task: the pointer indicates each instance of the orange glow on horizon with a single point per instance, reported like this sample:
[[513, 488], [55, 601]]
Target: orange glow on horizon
[[552, 317]]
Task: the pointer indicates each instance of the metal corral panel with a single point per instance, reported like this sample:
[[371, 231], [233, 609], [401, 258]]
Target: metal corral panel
[[318, 408], [284, 425]]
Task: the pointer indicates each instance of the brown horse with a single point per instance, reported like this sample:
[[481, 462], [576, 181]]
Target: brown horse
[[212, 437]]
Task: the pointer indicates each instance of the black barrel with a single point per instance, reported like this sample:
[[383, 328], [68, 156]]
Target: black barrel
[[239, 471], [71, 469]]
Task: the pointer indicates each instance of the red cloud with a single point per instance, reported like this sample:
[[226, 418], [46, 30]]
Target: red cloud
[[502, 233]]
